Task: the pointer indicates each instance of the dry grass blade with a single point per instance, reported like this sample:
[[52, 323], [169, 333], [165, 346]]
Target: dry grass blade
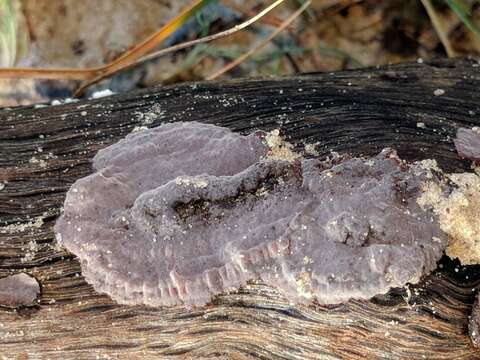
[[437, 24], [267, 20], [131, 55], [464, 16], [8, 29], [263, 43], [181, 46]]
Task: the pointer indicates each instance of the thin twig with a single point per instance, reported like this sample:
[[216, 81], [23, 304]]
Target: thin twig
[[437, 25], [181, 46], [263, 43]]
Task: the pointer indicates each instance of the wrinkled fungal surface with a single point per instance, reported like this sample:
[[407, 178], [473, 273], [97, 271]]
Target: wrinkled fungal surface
[[99, 224], [360, 231], [18, 290], [179, 213], [467, 143]]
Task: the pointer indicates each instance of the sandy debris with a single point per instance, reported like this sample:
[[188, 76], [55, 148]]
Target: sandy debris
[[304, 284], [311, 149], [197, 181], [30, 251], [279, 148], [34, 223], [458, 215], [147, 118]]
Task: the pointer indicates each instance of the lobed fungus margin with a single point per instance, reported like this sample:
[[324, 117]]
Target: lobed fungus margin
[[179, 213]]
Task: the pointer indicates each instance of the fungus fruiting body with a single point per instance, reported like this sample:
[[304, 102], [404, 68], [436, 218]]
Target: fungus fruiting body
[[18, 290], [179, 213], [467, 143]]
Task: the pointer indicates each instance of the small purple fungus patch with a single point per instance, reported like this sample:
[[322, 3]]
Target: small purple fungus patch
[[179, 213], [467, 143], [18, 290]]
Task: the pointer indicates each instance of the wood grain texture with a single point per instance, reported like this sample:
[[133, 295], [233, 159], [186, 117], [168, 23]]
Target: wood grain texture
[[43, 151]]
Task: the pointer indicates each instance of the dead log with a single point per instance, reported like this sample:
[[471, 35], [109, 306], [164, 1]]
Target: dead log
[[44, 150]]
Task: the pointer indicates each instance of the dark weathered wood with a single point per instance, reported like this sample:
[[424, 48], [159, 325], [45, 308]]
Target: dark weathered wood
[[358, 111]]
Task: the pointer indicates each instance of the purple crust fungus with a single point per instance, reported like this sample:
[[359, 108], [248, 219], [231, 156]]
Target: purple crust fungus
[[18, 290], [359, 231], [467, 143], [179, 213]]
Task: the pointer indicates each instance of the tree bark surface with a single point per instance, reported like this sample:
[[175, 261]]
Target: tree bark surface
[[44, 150]]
